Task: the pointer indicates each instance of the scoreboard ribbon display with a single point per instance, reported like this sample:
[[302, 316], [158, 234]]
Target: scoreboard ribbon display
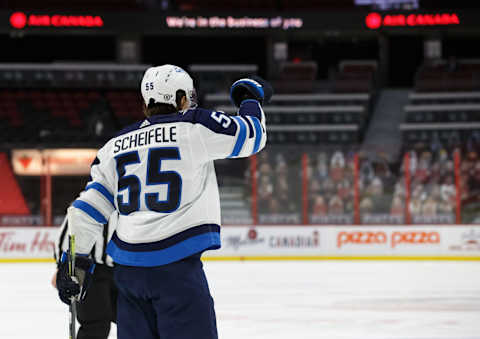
[[160, 22]]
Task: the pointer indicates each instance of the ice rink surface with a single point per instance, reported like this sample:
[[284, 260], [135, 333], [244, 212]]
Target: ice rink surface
[[289, 300]]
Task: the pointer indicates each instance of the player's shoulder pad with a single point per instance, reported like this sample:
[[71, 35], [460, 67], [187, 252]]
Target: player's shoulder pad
[[216, 121]]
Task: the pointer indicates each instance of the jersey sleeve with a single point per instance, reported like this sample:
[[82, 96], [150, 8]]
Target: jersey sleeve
[[92, 209], [225, 136]]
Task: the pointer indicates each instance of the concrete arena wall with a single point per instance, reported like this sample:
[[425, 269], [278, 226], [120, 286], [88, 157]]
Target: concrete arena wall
[[420, 242]]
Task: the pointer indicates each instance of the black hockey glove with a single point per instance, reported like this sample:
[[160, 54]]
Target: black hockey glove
[[253, 87], [77, 287]]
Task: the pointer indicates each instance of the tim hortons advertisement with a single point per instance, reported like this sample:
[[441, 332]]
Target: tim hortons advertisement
[[53, 161], [27, 242]]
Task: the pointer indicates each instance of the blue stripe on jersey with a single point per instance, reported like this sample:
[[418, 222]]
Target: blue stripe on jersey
[[251, 130], [103, 190], [165, 243], [241, 137], [90, 210], [158, 253], [258, 134]]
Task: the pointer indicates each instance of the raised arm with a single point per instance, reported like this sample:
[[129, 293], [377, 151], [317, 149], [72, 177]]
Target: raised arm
[[242, 135]]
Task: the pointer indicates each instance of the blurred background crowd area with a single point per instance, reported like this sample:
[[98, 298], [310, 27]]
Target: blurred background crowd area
[[367, 126], [347, 186]]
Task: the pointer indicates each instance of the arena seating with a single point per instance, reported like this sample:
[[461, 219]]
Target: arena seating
[[296, 77], [443, 113], [443, 116], [75, 114], [71, 75], [36, 116], [297, 115], [49, 116], [355, 76], [419, 98], [450, 116], [126, 105], [216, 77], [298, 112], [448, 75]]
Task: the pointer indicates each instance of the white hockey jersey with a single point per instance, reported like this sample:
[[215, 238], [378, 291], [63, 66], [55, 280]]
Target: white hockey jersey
[[159, 175]]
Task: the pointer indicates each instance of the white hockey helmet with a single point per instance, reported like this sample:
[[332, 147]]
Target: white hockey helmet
[[161, 84]]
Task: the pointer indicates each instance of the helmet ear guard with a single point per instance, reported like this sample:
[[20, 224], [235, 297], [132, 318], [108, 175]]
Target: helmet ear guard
[[192, 98]]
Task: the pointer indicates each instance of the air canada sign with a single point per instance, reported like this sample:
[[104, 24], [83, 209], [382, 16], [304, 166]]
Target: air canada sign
[[21, 20], [375, 20]]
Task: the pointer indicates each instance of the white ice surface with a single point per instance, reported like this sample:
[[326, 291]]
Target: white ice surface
[[289, 300]]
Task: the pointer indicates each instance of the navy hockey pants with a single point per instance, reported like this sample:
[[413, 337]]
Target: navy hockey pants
[[165, 302]]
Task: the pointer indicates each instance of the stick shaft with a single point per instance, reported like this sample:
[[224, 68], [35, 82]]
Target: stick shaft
[[73, 316], [71, 271]]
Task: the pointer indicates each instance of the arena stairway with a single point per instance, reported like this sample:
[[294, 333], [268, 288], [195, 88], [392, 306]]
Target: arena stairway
[[383, 134], [235, 209]]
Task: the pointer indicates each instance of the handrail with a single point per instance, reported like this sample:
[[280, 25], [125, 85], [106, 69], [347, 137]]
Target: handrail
[[304, 109], [439, 126]]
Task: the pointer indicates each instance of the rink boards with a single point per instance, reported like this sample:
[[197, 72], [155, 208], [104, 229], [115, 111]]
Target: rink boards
[[420, 242]]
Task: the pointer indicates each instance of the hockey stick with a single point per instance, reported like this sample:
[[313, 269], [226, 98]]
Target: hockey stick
[[71, 271]]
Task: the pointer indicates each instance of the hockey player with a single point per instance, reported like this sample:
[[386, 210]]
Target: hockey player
[[99, 309], [159, 175]]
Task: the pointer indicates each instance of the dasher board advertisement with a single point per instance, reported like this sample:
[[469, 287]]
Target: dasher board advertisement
[[351, 242], [422, 242], [27, 243]]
